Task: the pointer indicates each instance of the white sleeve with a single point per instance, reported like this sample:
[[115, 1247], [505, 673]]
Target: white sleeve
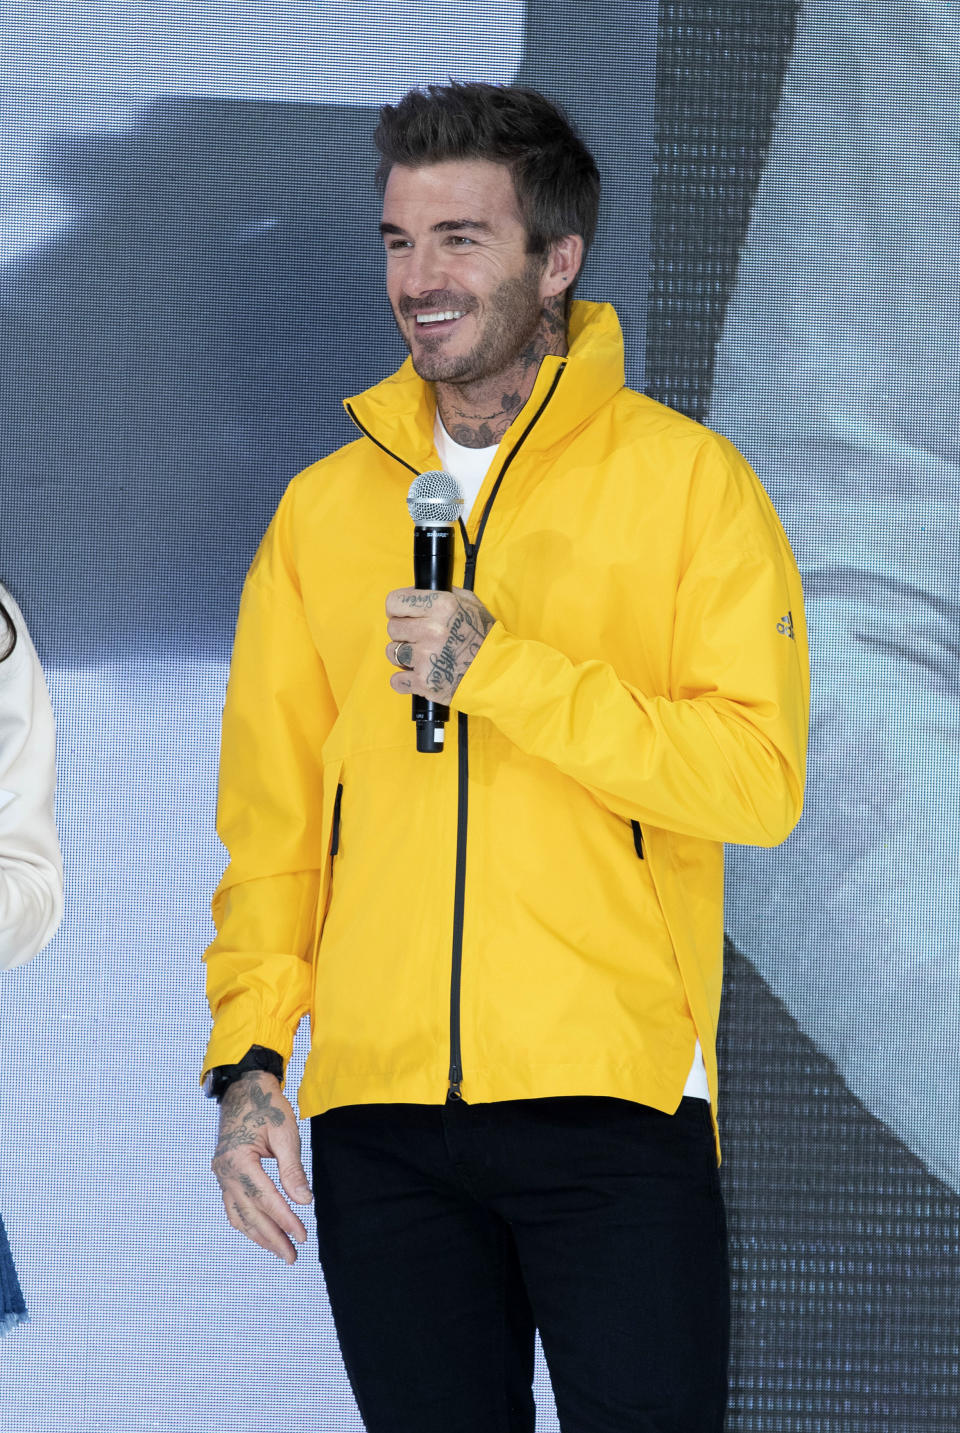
[[31, 872]]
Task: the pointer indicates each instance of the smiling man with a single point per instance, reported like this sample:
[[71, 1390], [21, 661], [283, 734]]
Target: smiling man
[[510, 951], [476, 308]]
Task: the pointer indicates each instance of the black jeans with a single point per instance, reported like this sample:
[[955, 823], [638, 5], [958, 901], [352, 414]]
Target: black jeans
[[448, 1233]]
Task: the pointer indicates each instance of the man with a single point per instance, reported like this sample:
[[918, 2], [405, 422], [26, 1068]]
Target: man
[[511, 950]]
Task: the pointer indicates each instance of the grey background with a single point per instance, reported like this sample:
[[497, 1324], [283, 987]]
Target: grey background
[[803, 301], [190, 282]]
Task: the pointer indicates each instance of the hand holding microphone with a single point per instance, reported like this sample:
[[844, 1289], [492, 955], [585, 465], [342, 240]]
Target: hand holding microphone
[[435, 632]]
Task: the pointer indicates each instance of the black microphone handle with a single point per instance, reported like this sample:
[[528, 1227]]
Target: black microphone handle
[[432, 572]]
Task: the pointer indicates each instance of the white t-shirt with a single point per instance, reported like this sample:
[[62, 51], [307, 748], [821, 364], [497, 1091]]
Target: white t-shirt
[[469, 466]]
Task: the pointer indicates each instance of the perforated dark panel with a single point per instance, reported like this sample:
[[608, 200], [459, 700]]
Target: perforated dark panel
[[719, 71]]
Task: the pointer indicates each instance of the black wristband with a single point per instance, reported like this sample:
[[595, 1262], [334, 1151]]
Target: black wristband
[[258, 1057]]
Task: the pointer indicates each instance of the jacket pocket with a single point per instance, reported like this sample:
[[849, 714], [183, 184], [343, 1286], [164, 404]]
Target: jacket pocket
[[335, 829], [637, 838], [330, 819]]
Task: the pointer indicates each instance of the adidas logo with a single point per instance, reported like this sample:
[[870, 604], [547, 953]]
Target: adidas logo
[[785, 625]]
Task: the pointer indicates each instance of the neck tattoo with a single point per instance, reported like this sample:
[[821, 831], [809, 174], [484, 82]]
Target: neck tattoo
[[476, 415]]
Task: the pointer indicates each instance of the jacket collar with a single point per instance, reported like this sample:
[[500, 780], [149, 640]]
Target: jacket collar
[[398, 413]]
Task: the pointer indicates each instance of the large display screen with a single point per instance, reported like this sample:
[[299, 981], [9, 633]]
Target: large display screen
[[190, 281]]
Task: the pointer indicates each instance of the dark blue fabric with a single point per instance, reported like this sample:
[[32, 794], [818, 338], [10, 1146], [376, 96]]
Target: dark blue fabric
[[448, 1233], [13, 1310]]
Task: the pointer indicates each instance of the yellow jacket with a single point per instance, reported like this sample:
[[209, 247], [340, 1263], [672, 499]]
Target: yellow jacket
[[537, 910]]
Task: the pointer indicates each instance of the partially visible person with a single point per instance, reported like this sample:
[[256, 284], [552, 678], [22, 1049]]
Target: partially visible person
[[31, 873]]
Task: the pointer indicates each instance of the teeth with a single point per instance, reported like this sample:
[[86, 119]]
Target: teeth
[[438, 317]]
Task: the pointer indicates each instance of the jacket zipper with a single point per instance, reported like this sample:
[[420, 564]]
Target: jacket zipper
[[471, 550], [637, 838]]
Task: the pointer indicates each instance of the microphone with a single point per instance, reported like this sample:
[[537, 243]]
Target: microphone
[[434, 502]]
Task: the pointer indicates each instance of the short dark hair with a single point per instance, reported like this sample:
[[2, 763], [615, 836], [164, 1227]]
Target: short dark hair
[[554, 173]]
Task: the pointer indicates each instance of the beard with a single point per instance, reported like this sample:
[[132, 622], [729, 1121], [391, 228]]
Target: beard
[[514, 310]]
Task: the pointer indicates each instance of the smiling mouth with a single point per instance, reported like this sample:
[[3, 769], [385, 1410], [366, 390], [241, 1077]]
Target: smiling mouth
[[440, 318]]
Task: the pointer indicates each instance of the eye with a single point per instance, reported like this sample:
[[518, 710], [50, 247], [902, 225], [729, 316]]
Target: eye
[[460, 241]]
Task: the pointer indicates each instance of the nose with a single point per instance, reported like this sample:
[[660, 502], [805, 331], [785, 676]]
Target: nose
[[424, 271]]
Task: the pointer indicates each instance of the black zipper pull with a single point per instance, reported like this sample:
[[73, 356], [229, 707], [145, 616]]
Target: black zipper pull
[[454, 1093]]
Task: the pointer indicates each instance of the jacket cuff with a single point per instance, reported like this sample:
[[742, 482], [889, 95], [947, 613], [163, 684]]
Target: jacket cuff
[[240, 1027], [498, 681], [221, 1077], [488, 665]]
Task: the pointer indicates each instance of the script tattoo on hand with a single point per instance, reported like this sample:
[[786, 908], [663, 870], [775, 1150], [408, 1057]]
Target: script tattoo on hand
[[422, 601], [248, 1185], [445, 631], [467, 629]]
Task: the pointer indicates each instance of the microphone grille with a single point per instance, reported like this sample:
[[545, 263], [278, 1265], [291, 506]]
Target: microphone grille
[[434, 498]]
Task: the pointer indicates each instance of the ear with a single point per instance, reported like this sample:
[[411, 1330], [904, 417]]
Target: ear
[[562, 266]]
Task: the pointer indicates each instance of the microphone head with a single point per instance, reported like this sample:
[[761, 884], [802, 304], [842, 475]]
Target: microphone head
[[434, 499]]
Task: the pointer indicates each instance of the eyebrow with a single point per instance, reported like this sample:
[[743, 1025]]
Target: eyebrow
[[444, 226]]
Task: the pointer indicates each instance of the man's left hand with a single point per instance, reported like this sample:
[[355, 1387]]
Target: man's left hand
[[434, 638]]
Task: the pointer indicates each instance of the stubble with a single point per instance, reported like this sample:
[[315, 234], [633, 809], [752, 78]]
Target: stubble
[[479, 393]]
